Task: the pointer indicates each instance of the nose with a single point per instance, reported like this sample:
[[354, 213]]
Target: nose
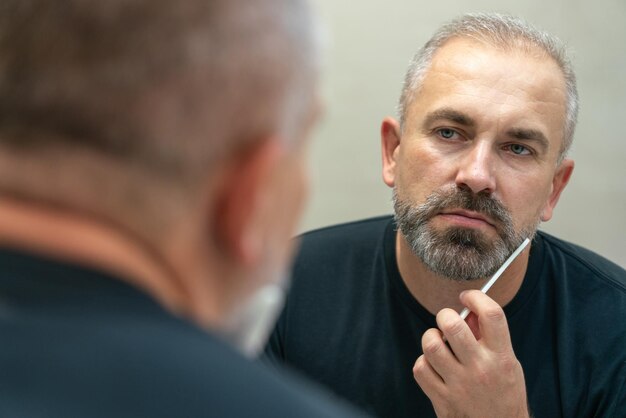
[[477, 170]]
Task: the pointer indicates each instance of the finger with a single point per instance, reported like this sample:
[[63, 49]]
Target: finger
[[439, 355], [459, 336], [472, 323], [492, 324], [427, 378]]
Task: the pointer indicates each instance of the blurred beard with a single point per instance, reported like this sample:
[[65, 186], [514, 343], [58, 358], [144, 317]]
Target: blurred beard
[[251, 322], [460, 254]]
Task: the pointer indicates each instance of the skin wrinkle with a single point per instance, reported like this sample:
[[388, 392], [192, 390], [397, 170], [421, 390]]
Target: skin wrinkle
[[450, 114]]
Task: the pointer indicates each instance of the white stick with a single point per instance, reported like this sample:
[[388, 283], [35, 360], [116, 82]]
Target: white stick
[[495, 277]]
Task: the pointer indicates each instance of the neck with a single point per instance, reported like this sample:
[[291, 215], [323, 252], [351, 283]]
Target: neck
[[87, 241], [434, 292]]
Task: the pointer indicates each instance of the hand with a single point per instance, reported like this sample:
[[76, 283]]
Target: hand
[[477, 374]]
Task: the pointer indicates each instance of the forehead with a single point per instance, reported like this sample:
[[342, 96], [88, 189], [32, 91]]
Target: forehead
[[494, 86]]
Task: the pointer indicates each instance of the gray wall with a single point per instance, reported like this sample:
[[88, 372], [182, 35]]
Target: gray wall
[[370, 44]]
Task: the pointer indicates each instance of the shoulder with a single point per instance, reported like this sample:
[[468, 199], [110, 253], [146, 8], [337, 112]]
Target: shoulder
[[340, 250], [339, 263], [345, 236], [159, 367], [585, 299], [362, 226], [576, 260], [231, 385]]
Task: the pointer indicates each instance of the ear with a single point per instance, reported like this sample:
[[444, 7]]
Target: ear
[[390, 142], [239, 201], [560, 180]]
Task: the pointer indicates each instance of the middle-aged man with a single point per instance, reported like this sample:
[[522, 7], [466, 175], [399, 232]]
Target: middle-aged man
[[151, 173], [476, 162]]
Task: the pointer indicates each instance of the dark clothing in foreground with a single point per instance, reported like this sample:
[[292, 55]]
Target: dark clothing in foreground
[[75, 342], [351, 324]]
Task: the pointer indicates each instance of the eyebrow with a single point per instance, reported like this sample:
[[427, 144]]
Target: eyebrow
[[451, 115]]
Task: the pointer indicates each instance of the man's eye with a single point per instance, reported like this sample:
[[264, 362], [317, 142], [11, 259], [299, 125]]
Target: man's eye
[[518, 149], [446, 133]]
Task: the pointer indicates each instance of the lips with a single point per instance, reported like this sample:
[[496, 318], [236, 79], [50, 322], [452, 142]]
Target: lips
[[469, 215]]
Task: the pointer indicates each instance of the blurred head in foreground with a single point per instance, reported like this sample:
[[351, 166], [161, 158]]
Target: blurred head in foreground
[[165, 140]]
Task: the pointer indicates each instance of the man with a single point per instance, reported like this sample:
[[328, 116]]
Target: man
[[150, 178], [476, 162]]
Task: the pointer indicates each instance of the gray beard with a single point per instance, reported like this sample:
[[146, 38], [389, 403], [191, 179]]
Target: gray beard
[[459, 254]]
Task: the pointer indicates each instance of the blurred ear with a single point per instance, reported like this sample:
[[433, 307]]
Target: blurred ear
[[390, 142], [239, 200], [560, 180]]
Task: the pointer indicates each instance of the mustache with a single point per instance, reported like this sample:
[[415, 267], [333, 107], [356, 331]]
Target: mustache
[[459, 198]]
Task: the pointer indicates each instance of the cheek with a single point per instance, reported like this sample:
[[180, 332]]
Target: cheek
[[526, 202], [301, 186], [300, 197], [288, 208], [294, 197], [422, 171]]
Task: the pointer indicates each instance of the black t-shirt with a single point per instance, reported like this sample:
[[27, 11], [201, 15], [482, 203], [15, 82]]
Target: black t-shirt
[[79, 343], [351, 324]]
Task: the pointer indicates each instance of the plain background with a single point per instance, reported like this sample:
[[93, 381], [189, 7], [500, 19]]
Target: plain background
[[370, 43]]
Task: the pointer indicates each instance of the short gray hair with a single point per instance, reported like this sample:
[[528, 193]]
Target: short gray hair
[[502, 31], [89, 71], [157, 91]]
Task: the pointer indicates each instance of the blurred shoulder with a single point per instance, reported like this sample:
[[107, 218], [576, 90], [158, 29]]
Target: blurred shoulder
[[351, 233]]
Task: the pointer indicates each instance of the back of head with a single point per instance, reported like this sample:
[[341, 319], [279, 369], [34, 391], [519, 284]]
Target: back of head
[[121, 107], [502, 32]]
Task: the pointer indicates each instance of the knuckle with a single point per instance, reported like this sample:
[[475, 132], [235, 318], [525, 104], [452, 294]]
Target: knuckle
[[431, 341], [509, 364], [431, 347], [420, 367], [452, 326], [494, 314]]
